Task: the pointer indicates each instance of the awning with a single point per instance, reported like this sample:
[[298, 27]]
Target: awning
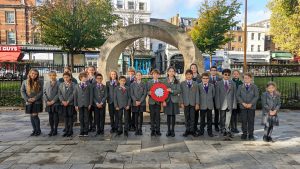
[[282, 56], [9, 56]]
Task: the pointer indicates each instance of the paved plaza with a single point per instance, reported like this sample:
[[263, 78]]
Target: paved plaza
[[18, 150]]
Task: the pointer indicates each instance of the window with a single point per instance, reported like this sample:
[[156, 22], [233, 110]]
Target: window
[[36, 38], [130, 21], [10, 17], [142, 21], [239, 49], [151, 46], [252, 36], [120, 22], [160, 46], [252, 48], [258, 36], [120, 4], [130, 5], [141, 6], [11, 38], [232, 48], [258, 48], [240, 39], [233, 38]]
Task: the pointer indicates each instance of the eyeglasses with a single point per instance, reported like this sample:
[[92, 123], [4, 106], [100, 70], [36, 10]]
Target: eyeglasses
[[213, 70], [226, 74], [205, 78]]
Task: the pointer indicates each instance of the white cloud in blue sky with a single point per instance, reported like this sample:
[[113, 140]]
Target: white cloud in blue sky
[[165, 9]]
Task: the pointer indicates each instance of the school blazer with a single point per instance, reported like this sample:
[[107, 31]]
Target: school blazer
[[66, 94], [128, 82], [149, 85], [206, 100], [37, 95], [138, 92], [218, 78], [83, 97], [51, 92], [174, 95], [99, 94], [122, 100], [249, 97], [189, 96], [110, 91], [225, 100], [270, 103]]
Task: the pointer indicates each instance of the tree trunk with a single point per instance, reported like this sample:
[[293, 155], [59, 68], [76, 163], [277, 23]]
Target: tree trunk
[[132, 59], [72, 62], [210, 60]]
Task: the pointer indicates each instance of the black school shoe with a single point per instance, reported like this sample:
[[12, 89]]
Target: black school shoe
[[70, 134], [51, 133], [38, 133], [186, 133], [119, 133], [65, 134], [172, 133], [33, 133], [153, 133], [217, 128], [81, 134], [54, 132], [251, 137], [243, 137], [158, 133], [265, 138], [86, 134], [168, 134], [126, 133]]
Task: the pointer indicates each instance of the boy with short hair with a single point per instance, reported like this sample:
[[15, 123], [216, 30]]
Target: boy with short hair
[[189, 101], [122, 102], [83, 99], [130, 80], [247, 96], [207, 94], [225, 101], [66, 97], [99, 102]]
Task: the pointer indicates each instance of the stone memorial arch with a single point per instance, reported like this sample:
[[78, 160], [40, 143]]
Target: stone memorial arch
[[161, 30]]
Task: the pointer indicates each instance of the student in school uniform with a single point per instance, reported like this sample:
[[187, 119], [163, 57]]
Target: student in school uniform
[[196, 78], [189, 101], [171, 104], [122, 102], [154, 105], [99, 102], [138, 90], [207, 94], [67, 70], [91, 71], [113, 114], [247, 96], [83, 100], [32, 93], [129, 80], [270, 106], [235, 112], [52, 102], [225, 101], [66, 97], [213, 79]]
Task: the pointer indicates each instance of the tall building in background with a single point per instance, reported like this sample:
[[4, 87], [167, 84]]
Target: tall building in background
[[134, 12], [16, 25]]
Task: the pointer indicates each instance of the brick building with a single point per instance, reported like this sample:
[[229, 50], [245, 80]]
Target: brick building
[[16, 24]]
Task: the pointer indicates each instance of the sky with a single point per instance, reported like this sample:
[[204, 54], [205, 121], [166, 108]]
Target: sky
[[165, 9]]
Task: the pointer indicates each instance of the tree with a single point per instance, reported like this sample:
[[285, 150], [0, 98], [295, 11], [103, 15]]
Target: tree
[[215, 20], [285, 18], [75, 24]]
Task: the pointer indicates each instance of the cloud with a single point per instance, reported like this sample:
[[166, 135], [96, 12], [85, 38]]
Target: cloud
[[163, 8]]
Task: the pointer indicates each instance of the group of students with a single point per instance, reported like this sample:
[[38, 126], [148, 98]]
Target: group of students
[[198, 95]]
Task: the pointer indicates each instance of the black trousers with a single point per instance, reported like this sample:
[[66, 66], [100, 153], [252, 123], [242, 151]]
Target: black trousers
[[171, 119], [248, 116], [131, 118], [234, 118], [100, 118], [91, 114], [189, 114], [113, 114], [155, 117], [206, 114], [84, 119], [138, 118], [197, 112], [68, 114], [123, 112], [53, 119], [217, 117]]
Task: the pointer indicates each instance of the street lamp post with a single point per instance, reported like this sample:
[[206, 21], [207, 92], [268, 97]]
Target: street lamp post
[[245, 39]]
